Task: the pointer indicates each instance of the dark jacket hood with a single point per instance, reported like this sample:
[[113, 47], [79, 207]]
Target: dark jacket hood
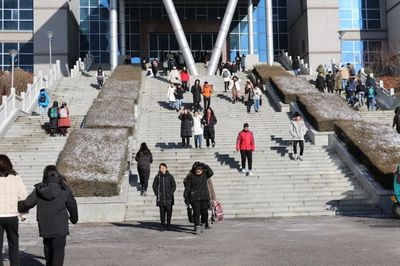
[[48, 191]]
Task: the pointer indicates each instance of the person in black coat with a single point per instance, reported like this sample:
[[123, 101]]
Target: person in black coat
[[55, 205], [320, 82], [396, 119], [164, 187], [52, 113], [330, 81], [196, 194], [186, 127], [144, 158], [196, 92], [209, 121]]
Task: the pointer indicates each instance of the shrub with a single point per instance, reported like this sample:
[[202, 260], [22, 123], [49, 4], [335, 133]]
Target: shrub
[[21, 80], [111, 112], [288, 87], [375, 145], [120, 89], [94, 160], [266, 71], [323, 110]]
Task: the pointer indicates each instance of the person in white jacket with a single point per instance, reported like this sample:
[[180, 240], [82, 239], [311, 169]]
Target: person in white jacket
[[12, 190], [234, 86], [226, 75], [174, 76], [298, 130], [197, 130], [171, 96]]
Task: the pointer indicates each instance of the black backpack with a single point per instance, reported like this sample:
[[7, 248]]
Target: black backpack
[[42, 98]]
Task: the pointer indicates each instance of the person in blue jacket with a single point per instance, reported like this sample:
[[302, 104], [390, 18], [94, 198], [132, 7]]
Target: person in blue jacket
[[43, 102]]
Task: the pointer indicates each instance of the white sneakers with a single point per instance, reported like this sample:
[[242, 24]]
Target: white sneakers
[[244, 170], [297, 157], [250, 173]]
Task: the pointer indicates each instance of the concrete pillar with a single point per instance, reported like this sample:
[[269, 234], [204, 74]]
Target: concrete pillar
[[223, 33], [180, 36], [122, 22], [251, 26], [113, 34], [270, 33]]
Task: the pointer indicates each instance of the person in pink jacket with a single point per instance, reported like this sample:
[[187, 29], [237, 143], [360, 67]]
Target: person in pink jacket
[[245, 144], [185, 78]]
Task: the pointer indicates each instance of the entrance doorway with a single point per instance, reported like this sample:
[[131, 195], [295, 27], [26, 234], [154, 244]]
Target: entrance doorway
[[201, 44]]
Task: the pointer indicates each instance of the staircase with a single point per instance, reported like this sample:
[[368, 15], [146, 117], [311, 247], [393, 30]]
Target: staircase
[[319, 185], [26, 143], [380, 117]]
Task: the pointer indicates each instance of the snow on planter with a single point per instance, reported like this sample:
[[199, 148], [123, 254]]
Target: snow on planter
[[111, 112], [94, 161], [323, 110], [114, 88], [267, 71], [375, 145], [288, 87]]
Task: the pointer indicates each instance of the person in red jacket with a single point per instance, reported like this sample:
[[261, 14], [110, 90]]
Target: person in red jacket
[[245, 144], [185, 78]]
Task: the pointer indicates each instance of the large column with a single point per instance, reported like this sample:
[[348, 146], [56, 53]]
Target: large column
[[180, 36], [251, 26], [223, 33], [122, 26], [113, 34], [270, 33]]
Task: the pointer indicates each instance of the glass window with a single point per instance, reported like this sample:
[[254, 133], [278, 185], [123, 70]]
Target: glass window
[[11, 25], [10, 3], [26, 4], [26, 14], [359, 14], [26, 25]]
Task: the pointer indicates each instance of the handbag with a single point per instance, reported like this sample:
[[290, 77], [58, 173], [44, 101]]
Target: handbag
[[218, 211], [189, 212]]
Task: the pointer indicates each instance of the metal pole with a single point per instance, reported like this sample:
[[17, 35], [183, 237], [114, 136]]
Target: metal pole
[[180, 36], [50, 52], [113, 34], [223, 33], [12, 71], [270, 33], [251, 27], [122, 33]]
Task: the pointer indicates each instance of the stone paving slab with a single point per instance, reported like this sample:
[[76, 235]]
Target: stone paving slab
[[286, 241]]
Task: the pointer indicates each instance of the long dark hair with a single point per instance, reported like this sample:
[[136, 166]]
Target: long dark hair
[[6, 167], [52, 175], [144, 149]]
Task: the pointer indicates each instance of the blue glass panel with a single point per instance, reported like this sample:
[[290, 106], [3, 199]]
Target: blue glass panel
[[244, 27], [345, 14], [26, 25], [347, 57], [244, 42], [234, 44], [347, 46], [26, 4], [26, 48]]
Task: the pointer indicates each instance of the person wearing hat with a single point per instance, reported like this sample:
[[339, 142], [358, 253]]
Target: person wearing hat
[[245, 144], [298, 130]]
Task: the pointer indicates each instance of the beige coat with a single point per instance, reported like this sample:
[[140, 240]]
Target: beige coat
[[12, 190]]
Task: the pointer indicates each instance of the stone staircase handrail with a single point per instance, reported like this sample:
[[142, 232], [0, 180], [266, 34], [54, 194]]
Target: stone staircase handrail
[[287, 61], [81, 66], [13, 103]]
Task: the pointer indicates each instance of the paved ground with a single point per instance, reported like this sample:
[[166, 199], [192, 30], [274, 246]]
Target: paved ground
[[279, 241]]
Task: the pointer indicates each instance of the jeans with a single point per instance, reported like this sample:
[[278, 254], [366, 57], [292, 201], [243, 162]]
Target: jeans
[[200, 208], [178, 104], [207, 102], [361, 98], [301, 144], [344, 83], [10, 226], [249, 155], [198, 139], [296, 71], [371, 104], [54, 250], [172, 104], [168, 211], [256, 105]]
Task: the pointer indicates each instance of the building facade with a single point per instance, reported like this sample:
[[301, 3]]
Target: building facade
[[343, 31]]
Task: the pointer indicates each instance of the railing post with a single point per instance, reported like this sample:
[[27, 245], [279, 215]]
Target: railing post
[[13, 94], [46, 78], [51, 78], [4, 101], [23, 96]]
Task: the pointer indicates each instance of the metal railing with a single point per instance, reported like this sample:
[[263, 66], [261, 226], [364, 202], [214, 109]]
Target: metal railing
[[286, 60], [82, 66]]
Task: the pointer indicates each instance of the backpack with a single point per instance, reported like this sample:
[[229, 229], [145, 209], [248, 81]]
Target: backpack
[[42, 98], [225, 74], [371, 92], [54, 112], [63, 113], [218, 212]]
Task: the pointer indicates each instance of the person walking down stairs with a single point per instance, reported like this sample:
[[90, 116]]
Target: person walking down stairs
[[197, 129], [207, 92], [196, 194], [396, 119], [12, 189], [144, 158], [164, 187], [53, 116], [64, 121], [298, 130], [196, 92], [186, 127], [248, 95], [226, 75], [234, 86], [209, 121], [245, 144]]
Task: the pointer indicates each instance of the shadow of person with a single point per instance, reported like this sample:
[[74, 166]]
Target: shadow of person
[[28, 259], [179, 228]]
